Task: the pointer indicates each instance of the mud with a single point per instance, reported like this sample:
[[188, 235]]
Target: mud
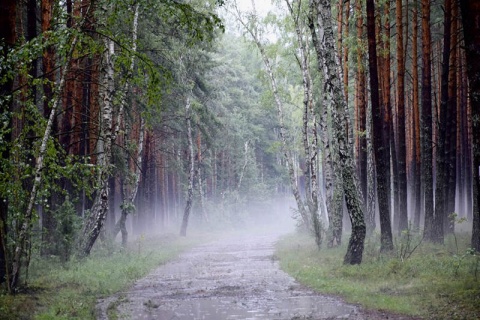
[[237, 278]]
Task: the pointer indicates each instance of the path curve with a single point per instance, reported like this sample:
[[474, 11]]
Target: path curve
[[236, 278]]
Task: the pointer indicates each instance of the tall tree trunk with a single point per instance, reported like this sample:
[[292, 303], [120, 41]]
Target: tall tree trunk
[[471, 31], [449, 224], [380, 136], [191, 172], [426, 120], [327, 58], [360, 107], [384, 78], [310, 143], [200, 175], [331, 168], [462, 126], [442, 142], [417, 185], [94, 222], [402, 148], [129, 194], [129, 197], [371, 181]]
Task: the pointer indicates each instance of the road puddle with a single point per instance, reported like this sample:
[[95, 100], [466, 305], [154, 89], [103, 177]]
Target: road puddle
[[238, 278]]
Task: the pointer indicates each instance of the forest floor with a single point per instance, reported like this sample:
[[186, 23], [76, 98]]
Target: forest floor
[[234, 278]]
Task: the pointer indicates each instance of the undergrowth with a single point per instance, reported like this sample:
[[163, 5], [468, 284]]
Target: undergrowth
[[69, 290], [433, 281]]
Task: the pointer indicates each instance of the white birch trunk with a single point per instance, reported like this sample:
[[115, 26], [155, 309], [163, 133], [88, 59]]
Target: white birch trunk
[[341, 125], [245, 163], [191, 175], [129, 197], [96, 218], [309, 129], [332, 171]]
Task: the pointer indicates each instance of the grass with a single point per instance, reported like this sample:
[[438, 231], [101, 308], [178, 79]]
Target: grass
[[436, 282], [70, 290]]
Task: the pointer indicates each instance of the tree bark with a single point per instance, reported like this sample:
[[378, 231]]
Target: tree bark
[[442, 142], [417, 184], [191, 173], [426, 120], [360, 107], [334, 86], [310, 141], [129, 196], [402, 148], [471, 31], [380, 136], [94, 222], [449, 224], [331, 167]]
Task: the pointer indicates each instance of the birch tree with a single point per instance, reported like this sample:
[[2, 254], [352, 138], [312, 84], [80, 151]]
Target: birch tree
[[96, 217], [309, 131], [331, 168], [132, 181], [191, 171], [327, 58]]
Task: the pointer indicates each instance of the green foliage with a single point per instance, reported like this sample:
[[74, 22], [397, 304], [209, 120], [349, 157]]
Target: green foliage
[[408, 242], [67, 225], [430, 283]]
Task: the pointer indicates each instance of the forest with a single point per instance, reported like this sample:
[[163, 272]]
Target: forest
[[127, 119]]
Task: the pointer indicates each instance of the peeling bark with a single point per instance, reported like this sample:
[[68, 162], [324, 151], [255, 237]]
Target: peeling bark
[[94, 222], [310, 141], [334, 87]]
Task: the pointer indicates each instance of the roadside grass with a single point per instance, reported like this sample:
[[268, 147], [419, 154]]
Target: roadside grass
[[434, 282], [70, 290]]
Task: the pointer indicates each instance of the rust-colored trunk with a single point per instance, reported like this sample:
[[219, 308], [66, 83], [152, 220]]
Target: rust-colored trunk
[[402, 148], [426, 119], [417, 207]]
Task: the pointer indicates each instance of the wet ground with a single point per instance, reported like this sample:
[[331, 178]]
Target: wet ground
[[236, 278]]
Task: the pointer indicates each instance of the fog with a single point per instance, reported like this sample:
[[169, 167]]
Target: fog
[[270, 216]]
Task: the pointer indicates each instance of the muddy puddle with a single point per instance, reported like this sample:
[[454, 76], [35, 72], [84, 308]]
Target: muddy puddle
[[237, 278]]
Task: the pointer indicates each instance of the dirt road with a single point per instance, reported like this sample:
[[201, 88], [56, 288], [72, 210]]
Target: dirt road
[[237, 278]]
